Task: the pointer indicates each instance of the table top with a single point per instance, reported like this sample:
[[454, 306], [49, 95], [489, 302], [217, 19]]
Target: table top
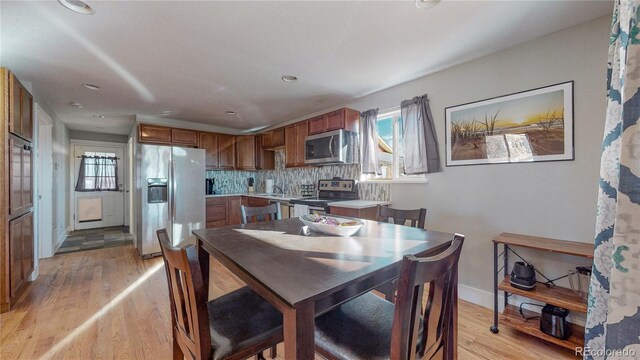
[[300, 268]]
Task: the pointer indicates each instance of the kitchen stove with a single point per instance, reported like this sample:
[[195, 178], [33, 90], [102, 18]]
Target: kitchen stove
[[329, 191]]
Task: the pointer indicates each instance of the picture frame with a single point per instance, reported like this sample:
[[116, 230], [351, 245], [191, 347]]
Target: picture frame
[[527, 126]]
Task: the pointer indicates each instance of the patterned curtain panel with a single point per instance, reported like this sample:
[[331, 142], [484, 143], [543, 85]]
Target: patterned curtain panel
[[613, 319], [97, 173]]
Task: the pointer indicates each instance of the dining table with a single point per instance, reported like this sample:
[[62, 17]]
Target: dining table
[[305, 274]]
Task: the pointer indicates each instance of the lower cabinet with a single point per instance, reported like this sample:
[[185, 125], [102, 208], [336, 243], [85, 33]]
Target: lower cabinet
[[223, 210], [370, 213], [20, 253], [234, 215]]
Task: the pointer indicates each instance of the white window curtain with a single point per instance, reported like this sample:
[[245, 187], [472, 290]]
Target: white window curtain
[[369, 142], [421, 154], [97, 173]]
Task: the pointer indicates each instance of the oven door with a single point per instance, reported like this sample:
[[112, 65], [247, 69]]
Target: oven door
[[324, 148]]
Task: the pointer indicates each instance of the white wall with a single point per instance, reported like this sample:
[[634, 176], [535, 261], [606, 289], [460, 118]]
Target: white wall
[[552, 199], [61, 165]]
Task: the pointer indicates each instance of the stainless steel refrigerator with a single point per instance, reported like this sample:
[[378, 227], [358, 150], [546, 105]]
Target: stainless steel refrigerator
[[170, 195]]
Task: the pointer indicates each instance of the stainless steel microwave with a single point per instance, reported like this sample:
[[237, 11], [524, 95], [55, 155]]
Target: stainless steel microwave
[[334, 147]]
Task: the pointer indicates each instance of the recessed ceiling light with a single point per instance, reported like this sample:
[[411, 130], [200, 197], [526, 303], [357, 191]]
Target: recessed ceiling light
[[230, 112], [98, 116], [426, 4], [77, 6], [92, 87], [289, 78], [166, 112], [76, 105]]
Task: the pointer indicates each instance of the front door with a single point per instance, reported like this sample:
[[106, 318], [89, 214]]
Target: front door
[[96, 209]]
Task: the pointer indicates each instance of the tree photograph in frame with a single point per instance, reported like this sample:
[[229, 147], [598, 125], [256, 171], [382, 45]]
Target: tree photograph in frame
[[533, 125]]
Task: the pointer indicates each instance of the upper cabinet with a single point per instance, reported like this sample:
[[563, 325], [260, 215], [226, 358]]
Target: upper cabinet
[[223, 151], [246, 152], [20, 109], [345, 118], [295, 136], [265, 160], [209, 142], [184, 137], [274, 139], [227, 151], [156, 134]]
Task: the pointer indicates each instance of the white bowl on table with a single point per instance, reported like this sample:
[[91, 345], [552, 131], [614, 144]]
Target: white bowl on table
[[339, 230]]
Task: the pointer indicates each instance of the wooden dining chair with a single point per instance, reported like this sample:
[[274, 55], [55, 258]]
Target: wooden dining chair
[[260, 213], [369, 327], [237, 325], [400, 217], [416, 218]]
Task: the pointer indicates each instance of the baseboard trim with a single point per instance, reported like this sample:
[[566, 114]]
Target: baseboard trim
[[478, 296]]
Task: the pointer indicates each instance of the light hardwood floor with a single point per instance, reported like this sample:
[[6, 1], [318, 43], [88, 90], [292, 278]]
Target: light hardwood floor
[[109, 304]]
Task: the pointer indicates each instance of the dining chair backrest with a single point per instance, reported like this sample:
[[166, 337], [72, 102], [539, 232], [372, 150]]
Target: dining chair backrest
[[441, 273], [257, 214], [400, 217], [188, 298]]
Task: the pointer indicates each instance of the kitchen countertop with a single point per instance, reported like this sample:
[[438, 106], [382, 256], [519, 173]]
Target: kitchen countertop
[[279, 197], [358, 204]]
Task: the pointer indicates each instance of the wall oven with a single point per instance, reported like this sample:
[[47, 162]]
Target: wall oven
[[334, 147]]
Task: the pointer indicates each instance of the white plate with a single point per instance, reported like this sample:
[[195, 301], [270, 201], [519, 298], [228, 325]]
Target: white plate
[[333, 229]]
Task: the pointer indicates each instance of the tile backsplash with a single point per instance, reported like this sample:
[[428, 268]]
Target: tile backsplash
[[235, 181]]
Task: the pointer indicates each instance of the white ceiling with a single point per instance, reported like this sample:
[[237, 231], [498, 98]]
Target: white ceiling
[[200, 59]]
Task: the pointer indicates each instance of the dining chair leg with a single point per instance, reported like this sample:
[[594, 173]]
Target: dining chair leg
[[260, 356], [177, 351], [273, 352]]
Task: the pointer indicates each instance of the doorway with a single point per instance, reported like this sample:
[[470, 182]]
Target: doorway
[[104, 207]]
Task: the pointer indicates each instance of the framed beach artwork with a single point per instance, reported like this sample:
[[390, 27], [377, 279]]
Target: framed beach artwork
[[533, 125]]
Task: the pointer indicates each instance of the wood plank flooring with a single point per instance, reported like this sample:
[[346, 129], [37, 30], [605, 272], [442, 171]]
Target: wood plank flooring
[[110, 304]]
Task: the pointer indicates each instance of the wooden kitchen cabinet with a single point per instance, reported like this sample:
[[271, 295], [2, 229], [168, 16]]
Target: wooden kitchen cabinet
[[295, 136], [274, 139], [209, 142], [20, 175], [302, 130], [16, 189], [216, 211], [21, 255], [290, 153], [223, 211], [184, 137], [227, 151], [234, 214], [246, 152], [157, 134], [253, 201], [345, 118], [265, 159], [20, 109], [154, 134], [317, 125], [370, 213]]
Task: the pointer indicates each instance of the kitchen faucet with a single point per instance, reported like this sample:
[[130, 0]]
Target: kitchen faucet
[[279, 188]]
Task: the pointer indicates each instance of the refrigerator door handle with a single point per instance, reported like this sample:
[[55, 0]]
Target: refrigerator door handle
[[172, 208]]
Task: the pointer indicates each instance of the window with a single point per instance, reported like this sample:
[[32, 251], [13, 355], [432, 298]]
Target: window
[[98, 172], [391, 150]]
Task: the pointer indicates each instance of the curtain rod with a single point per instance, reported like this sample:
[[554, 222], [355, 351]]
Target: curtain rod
[[98, 157]]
